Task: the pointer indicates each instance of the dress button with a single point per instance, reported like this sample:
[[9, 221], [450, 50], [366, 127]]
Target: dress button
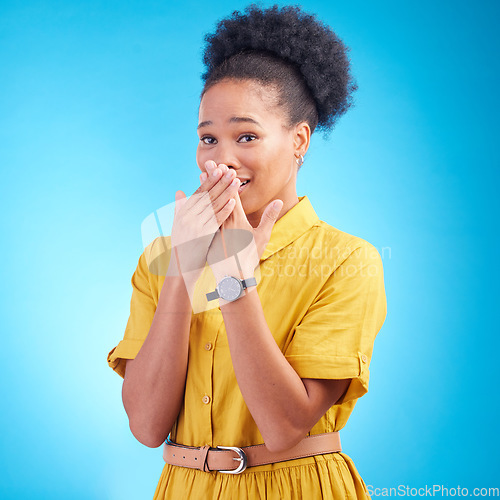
[[208, 346], [364, 358], [206, 399]]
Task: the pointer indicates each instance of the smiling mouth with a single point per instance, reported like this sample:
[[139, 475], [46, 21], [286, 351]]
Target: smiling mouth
[[243, 186]]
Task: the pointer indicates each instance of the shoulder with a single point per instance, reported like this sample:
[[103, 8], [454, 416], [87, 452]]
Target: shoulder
[[156, 256], [337, 244]]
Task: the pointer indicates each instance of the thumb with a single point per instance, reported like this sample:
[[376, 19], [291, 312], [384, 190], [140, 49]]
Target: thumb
[[179, 195], [180, 199], [270, 215]]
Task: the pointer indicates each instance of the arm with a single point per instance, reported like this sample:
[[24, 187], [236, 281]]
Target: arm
[[284, 406], [154, 382], [153, 386]]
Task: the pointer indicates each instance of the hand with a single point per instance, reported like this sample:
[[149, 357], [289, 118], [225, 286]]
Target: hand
[[197, 219], [237, 245]]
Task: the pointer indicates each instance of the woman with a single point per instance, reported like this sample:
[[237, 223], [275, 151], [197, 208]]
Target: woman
[[281, 362]]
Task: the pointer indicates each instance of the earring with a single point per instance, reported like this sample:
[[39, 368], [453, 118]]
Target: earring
[[299, 160]]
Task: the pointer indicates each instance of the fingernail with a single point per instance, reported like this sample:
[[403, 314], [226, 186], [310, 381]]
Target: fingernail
[[204, 177], [210, 165], [229, 174], [216, 172], [235, 182]]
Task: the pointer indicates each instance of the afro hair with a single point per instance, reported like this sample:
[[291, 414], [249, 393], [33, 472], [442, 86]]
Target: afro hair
[[313, 53]]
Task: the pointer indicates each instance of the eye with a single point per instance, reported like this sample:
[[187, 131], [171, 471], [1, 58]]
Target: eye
[[209, 140], [247, 138]]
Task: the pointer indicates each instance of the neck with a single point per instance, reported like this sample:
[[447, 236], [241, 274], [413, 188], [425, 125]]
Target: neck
[[255, 217]]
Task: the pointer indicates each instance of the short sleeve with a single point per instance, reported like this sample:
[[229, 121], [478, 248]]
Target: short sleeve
[[142, 311], [335, 338]]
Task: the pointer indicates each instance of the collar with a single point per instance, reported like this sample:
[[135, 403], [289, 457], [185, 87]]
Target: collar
[[299, 219]]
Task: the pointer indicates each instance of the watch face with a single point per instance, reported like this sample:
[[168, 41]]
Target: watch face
[[230, 288]]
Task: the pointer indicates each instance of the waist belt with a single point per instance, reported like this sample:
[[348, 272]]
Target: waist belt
[[222, 458]]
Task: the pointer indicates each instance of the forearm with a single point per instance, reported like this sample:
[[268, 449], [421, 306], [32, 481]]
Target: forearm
[[154, 382], [273, 391]]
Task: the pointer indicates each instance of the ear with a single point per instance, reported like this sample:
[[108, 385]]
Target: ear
[[302, 138]]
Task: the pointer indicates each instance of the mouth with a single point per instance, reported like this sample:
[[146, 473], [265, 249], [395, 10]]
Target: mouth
[[243, 186]]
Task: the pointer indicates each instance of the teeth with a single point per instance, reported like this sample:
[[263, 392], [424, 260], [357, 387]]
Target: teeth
[[244, 182]]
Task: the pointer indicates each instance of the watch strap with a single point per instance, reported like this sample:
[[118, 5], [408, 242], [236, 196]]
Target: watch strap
[[212, 295], [249, 282]]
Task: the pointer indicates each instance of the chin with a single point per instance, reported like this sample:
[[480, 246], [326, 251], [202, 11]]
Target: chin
[[249, 205], [245, 208]]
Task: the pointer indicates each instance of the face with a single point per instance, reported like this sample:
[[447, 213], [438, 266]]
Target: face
[[240, 127]]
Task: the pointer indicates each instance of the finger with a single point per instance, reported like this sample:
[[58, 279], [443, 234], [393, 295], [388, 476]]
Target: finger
[[214, 192], [214, 208], [220, 192], [269, 217], [180, 200], [228, 175], [179, 195], [223, 167], [201, 194], [206, 176], [209, 179], [207, 168], [225, 211], [239, 211], [210, 166]]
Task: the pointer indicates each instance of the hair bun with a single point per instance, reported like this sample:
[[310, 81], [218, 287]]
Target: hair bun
[[296, 37]]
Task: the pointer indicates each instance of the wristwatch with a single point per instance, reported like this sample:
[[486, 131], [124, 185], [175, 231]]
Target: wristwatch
[[230, 288]]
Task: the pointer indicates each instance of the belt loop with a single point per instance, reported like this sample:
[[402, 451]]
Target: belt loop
[[203, 456]]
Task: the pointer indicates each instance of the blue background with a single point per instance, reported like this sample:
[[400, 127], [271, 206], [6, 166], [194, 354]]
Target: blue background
[[98, 110]]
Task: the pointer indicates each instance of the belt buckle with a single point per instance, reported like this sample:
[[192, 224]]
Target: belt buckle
[[241, 457]]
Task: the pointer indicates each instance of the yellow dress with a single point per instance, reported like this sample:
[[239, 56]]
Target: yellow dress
[[322, 292]]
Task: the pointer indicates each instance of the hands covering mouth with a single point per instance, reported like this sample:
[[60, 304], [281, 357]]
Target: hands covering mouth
[[213, 209]]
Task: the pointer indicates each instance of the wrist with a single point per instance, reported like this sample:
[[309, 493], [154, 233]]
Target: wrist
[[230, 267], [231, 289], [245, 292]]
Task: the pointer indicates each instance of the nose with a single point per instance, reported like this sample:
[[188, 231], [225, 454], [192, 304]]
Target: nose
[[224, 153]]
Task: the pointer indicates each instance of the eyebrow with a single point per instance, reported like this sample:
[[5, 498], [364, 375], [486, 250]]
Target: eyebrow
[[243, 119], [233, 119], [204, 124]]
